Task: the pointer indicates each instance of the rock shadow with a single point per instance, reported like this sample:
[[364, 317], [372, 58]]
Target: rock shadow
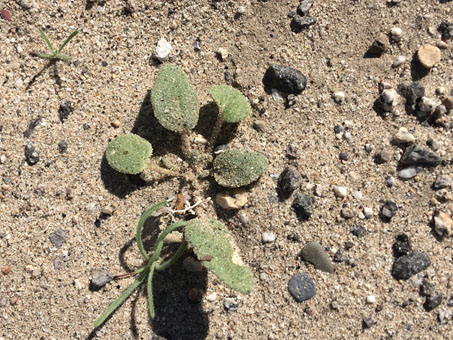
[[417, 71]]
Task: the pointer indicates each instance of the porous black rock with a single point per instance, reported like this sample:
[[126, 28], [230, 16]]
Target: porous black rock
[[301, 287], [407, 266], [285, 79], [288, 181], [446, 29], [412, 92], [31, 154], [402, 245], [388, 210], [302, 206], [416, 155]]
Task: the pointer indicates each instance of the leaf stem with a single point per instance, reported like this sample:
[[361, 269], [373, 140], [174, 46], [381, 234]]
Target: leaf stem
[[142, 220], [174, 258]]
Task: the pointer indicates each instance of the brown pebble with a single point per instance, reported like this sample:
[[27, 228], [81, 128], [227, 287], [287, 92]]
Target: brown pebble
[[13, 300], [5, 14], [116, 124], [6, 270], [428, 55], [69, 194]]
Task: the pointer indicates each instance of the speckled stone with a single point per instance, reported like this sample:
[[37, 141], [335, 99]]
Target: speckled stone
[[407, 266], [301, 287]]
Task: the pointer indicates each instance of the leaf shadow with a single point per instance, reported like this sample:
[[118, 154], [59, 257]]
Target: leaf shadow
[[55, 75]]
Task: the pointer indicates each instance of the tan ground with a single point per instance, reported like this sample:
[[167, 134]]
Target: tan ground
[[38, 301]]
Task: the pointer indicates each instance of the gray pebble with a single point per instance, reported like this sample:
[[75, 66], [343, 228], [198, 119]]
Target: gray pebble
[[382, 157], [427, 288], [285, 79], [304, 7], [415, 155], [406, 266], [358, 231], [303, 206], [99, 279], [442, 181], [408, 173], [399, 61], [390, 181], [301, 287], [347, 213], [65, 110], [288, 181], [368, 323], [31, 155], [57, 238], [62, 146], [299, 23], [314, 253], [388, 210], [243, 218], [432, 302], [231, 304]]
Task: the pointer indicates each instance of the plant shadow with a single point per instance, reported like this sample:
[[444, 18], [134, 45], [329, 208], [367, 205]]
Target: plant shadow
[[52, 63]]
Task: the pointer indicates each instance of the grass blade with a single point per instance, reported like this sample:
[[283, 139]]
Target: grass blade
[[115, 304], [174, 258], [142, 220], [44, 36], [45, 55], [149, 288], [72, 35], [63, 57]]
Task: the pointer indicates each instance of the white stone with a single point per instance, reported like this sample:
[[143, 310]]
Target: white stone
[[408, 173], [396, 33], [163, 50], [340, 191], [222, 53], [90, 207], [268, 237], [368, 212], [357, 195], [338, 97], [236, 200], [443, 224], [399, 61], [403, 137], [427, 105], [211, 297], [2, 159], [371, 299]]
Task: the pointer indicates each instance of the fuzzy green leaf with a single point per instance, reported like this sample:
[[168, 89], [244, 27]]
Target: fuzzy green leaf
[[129, 154], [235, 168], [233, 105], [214, 246], [174, 100]]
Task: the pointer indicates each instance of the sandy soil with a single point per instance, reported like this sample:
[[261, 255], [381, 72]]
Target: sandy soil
[[46, 294]]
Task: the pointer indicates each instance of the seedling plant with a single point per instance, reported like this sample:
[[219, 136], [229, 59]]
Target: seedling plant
[[56, 54]]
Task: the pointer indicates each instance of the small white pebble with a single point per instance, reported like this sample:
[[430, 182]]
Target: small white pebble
[[371, 299], [211, 297], [268, 237], [368, 212], [241, 10], [2, 159], [338, 97], [340, 191], [357, 195], [90, 207], [396, 33], [399, 61], [163, 50]]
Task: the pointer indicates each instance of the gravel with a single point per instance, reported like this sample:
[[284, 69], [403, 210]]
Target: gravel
[[31, 154], [303, 206], [415, 155], [407, 266], [288, 182], [285, 79], [57, 238], [301, 287], [388, 211], [99, 279]]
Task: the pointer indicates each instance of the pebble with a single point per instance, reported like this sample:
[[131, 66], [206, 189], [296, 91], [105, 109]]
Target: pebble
[[340, 191], [304, 7], [243, 218], [339, 97], [390, 181], [65, 110], [62, 146], [442, 181], [222, 53], [407, 173], [389, 98], [371, 299], [288, 181], [347, 213], [343, 156], [427, 105], [301, 287], [299, 23], [402, 245], [368, 212], [412, 92], [231, 304], [303, 206], [427, 288], [396, 34], [446, 29], [428, 55], [3, 159], [415, 155], [57, 238], [403, 137], [285, 79], [444, 316], [314, 253], [77, 284], [115, 124], [259, 126], [368, 323], [6, 270], [211, 297], [382, 157], [399, 61], [235, 199], [358, 231], [443, 224], [90, 207], [379, 46], [5, 14], [99, 279], [240, 10], [107, 211], [163, 50], [406, 266], [268, 237], [432, 302], [31, 154], [369, 147], [388, 210]]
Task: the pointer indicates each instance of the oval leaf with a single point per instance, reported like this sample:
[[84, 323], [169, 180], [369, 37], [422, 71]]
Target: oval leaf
[[129, 154], [232, 103], [213, 245], [174, 100], [234, 168]]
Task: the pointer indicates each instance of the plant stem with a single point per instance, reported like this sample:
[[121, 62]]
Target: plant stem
[[215, 132], [142, 220], [135, 272], [185, 144], [149, 287], [174, 258]]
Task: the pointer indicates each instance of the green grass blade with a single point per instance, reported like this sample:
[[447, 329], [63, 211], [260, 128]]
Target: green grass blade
[[142, 220], [170, 229], [149, 288], [115, 304], [63, 57], [44, 36], [72, 35], [45, 55], [174, 258]]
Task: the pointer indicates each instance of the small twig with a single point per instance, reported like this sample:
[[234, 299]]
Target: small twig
[[183, 211]]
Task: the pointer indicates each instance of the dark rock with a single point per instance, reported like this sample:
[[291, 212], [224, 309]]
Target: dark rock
[[298, 23], [402, 246], [427, 288], [344, 156], [304, 7], [368, 323], [99, 279], [442, 181], [446, 29], [406, 266], [57, 238], [337, 129], [303, 206], [339, 256], [432, 302], [62, 146], [288, 181], [382, 157], [415, 155], [301, 287], [388, 210], [31, 155], [65, 110], [412, 92], [32, 126], [314, 253], [285, 79], [348, 245], [292, 151], [379, 46], [358, 231]]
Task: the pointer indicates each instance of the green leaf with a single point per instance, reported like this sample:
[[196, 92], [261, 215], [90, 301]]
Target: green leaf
[[129, 154], [115, 304], [214, 246], [140, 224], [49, 44], [68, 39], [174, 100], [233, 105], [234, 168]]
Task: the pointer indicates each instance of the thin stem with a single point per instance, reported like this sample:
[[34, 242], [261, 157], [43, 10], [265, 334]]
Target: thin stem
[[185, 144], [49, 44], [216, 131], [170, 229], [174, 258], [63, 57], [135, 272], [72, 35], [156, 253], [149, 287], [142, 220], [115, 304]]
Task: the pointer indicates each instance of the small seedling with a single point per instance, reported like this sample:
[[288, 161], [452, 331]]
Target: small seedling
[[56, 53], [212, 244], [234, 168]]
